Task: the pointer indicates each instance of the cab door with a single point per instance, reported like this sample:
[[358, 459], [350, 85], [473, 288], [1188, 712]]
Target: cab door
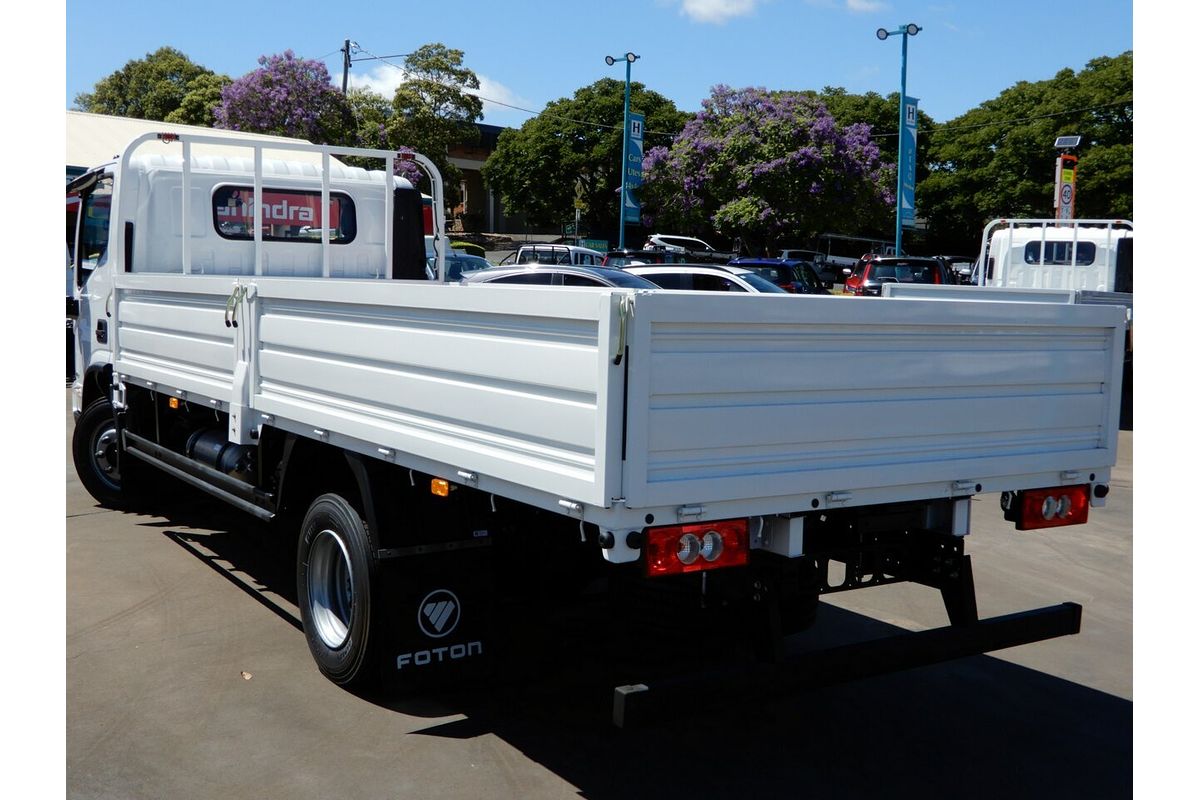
[[92, 282]]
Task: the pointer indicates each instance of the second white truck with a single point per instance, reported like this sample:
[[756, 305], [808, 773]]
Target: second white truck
[[424, 442]]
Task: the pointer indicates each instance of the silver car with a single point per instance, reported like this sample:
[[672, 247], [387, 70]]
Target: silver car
[[705, 278], [559, 275]]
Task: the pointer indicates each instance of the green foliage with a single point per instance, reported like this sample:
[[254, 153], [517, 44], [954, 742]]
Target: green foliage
[[202, 96], [997, 160], [573, 148], [430, 111], [883, 115], [149, 88]]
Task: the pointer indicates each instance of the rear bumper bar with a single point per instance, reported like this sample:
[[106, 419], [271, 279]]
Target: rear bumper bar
[[639, 704]]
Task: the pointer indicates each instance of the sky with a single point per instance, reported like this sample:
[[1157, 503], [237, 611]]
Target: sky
[[527, 54]]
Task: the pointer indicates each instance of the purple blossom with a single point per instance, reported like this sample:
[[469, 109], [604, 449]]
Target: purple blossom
[[757, 163], [286, 96]]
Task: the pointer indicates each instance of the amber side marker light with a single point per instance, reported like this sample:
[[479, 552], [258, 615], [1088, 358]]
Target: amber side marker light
[[1047, 508], [440, 487], [173, 403], [676, 549]]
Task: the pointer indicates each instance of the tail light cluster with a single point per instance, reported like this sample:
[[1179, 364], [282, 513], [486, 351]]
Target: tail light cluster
[[676, 549], [1047, 508]]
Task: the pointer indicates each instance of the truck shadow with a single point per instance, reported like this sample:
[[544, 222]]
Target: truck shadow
[[978, 727]]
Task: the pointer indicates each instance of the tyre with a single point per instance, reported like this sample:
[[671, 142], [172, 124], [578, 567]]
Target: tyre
[[336, 573], [96, 451]]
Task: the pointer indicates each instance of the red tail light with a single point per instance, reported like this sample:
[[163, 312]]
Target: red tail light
[[1047, 508], [677, 549]]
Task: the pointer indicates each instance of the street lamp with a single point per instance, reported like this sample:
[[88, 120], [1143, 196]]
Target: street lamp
[[882, 34], [628, 58]]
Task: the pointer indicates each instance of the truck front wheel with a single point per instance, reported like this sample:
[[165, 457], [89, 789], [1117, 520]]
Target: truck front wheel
[[335, 579], [96, 451]]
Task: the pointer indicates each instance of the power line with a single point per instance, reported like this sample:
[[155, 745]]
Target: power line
[[544, 113]]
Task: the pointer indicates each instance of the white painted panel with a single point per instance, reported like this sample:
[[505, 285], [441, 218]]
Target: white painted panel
[[755, 397]]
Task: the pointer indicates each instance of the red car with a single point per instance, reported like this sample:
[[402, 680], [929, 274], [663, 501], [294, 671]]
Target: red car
[[871, 272]]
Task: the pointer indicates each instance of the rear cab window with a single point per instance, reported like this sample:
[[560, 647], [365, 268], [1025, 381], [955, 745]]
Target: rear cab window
[[289, 215], [1060, 253]]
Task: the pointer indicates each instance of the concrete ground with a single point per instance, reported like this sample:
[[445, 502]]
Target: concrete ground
[[188, 677]]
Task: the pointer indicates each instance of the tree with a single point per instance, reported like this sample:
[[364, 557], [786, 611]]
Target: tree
[[286, 96], [431, 110], [202, 97], [883, 115], [369, 113], [148, 88], [769, 168], [997, 160], [573, 148]]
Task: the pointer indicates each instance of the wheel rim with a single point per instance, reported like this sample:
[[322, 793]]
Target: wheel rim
[[330, 589], [105, 456]]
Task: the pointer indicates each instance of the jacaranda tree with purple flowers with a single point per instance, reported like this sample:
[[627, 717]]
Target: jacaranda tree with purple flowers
[[286, 96], [769, 168]]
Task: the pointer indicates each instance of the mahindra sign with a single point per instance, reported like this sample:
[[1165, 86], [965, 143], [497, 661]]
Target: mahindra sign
[[280, 207]]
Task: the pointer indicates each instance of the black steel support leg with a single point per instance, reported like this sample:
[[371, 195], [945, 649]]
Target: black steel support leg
[[958, 593]]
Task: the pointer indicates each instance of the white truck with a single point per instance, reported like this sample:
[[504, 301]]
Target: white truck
[[422, 442], [1091, 259]]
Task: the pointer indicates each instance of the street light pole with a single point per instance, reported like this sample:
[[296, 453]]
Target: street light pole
[[882, 34], [629, 58]]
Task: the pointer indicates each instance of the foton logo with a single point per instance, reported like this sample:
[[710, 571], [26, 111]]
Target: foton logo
[[438, 613]]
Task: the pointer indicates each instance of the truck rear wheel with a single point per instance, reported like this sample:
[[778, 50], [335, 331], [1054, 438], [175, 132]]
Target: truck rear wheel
[[99, 462], [336, 573]]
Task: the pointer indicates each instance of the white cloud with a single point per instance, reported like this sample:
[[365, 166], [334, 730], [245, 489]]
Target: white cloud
[[382, 79], [385, 79], [716, 11], [864, 6], [490, 90]]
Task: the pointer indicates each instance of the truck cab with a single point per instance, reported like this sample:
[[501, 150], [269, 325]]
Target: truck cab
[[1083, 255], [216, 219]]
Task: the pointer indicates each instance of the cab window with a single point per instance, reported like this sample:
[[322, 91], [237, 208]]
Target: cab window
[[93, 228], [1059, 253], [289, 215]]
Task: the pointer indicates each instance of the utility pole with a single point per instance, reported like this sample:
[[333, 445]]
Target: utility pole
[[349, 46]]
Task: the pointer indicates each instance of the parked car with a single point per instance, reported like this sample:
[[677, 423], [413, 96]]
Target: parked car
[[458, 265], [559, 275], [696, 250], [869, 275], [554, 254], [705, 278], [958, 267], [797, 277], [828, 272], [811, 256], [631, 258]]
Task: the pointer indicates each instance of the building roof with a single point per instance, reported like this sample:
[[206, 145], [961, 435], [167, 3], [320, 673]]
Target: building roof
[[94, 139]]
